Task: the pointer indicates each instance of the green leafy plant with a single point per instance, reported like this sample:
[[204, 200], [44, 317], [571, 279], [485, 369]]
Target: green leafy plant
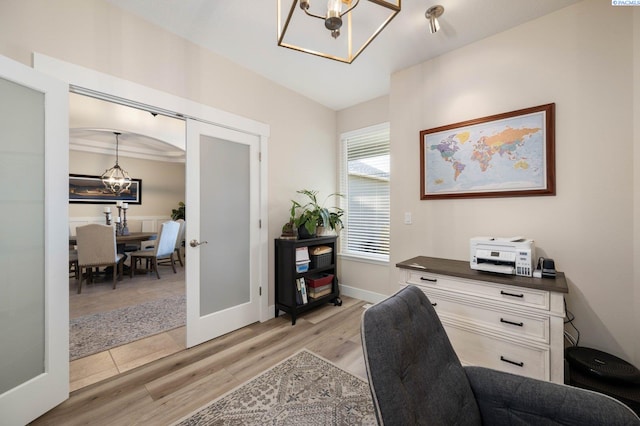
[[178, 213], [312, 214]]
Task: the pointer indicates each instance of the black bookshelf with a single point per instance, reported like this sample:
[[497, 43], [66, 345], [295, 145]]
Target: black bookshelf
[[286, 275]]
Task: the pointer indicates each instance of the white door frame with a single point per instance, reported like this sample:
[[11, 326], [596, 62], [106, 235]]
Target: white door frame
[[103, 86]]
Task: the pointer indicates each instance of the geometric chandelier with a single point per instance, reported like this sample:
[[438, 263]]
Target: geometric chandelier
[[349, 25], [116, 179]]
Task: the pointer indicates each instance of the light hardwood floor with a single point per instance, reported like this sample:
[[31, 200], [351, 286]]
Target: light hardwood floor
[[165, 390]]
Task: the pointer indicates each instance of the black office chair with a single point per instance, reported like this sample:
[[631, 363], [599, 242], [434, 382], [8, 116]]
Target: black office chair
[[416, 378]]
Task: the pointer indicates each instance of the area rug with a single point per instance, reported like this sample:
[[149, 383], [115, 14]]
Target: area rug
[[304, 389], [95, 333]]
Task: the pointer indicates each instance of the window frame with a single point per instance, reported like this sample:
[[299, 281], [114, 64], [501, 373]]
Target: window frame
[[375, 131]]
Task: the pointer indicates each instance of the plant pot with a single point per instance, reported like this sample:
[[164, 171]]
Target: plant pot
[[303, 234], [322, 231]]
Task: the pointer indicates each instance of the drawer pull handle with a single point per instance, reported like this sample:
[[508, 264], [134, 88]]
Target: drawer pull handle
[[431, 280], [511, 294], [519, 364], [519, 324]]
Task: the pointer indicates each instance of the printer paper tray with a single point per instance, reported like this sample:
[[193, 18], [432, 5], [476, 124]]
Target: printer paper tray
[[490, 267]]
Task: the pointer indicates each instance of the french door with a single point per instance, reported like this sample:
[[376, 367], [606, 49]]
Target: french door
[[222, 231], [225, 203], [34, 301]]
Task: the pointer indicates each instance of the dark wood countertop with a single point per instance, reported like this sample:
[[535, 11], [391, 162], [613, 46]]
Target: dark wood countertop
[[461, 269]]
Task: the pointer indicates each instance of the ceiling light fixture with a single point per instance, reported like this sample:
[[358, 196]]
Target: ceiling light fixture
[[359, 26], [432, 14], [116, 179]]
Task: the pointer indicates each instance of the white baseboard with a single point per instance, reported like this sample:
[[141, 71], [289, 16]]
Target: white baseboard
[[271, 313], [358, 293]]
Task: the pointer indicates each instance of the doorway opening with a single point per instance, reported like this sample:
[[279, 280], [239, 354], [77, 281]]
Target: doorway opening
[[143, 319], [205, 125]]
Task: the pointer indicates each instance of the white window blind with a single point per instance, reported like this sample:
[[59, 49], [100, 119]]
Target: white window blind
[[364, 180]]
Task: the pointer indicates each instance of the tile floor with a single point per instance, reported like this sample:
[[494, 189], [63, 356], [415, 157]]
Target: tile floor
[[97, 367], [100, 297]]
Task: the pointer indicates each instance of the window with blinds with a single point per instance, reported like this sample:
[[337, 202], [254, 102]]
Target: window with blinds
[[364, 182]]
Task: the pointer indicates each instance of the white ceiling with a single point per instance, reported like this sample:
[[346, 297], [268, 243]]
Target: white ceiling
[[245, 31], [142, 135]]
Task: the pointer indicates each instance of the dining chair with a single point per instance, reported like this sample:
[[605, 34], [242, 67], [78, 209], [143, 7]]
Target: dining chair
[[148, 226], [73, 259], [97, 247], [179, 241], [163, 249], [73, 263]]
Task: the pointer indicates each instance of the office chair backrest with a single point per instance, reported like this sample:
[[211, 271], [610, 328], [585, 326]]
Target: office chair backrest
[[414, 374]]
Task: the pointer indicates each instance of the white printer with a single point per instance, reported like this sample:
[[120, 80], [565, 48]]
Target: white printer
[[513, 255]]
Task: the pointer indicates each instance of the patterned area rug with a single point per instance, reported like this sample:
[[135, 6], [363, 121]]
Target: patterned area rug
[[99, 332], [301, 390]]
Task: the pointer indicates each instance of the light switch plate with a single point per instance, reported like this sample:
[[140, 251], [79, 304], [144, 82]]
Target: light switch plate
[[407, 218]]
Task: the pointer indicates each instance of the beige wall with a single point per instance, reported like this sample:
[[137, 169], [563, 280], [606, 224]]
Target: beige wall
[[97, 35], [592, 226], [588, 227], [162, 184], [368, 276]]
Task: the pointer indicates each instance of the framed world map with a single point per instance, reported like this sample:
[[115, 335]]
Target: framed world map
[[504, 155]]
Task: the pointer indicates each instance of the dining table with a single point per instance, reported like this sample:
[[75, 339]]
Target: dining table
[[121, 240]]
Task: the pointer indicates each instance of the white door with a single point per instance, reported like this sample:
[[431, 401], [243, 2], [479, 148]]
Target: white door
[[34, 293], [222, 230]]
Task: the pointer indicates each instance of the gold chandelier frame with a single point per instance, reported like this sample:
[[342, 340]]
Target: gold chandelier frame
[[393, 7]]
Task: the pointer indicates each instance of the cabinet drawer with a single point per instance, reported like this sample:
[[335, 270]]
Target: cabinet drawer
[[501, 321], [487, 351], [509, 294]]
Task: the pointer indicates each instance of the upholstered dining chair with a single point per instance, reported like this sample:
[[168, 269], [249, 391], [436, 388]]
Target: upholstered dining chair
[[163, 249], [416, 378], [73, 259], [178, 246], [180, 239], [73, 264], [97, 247]]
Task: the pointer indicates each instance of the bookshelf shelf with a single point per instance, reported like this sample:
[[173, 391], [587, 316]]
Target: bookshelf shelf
[[287, 296]]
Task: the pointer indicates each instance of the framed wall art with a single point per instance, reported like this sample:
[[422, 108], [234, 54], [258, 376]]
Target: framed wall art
[[89, 189], [503, 155]]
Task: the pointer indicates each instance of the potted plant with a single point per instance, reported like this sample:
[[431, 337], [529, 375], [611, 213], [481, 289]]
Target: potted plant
[[309, 216], [178, 213]]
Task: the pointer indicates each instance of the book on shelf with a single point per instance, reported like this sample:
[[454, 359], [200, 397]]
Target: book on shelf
[[298, 293], [303, 290]]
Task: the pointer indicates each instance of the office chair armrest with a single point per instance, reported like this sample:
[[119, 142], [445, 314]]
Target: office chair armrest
[[507, 399]]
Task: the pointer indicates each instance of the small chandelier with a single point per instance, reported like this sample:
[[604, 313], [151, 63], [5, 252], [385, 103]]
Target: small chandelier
[[360, 27], [116, 179]]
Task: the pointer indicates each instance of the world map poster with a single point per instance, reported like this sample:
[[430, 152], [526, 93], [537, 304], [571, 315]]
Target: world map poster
[[504, 155]]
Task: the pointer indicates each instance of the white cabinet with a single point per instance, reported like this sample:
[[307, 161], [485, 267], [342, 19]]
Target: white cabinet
[[506, 322]]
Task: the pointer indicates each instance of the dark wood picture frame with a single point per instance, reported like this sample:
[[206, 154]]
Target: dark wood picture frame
[[438, 144], [88, 189]]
